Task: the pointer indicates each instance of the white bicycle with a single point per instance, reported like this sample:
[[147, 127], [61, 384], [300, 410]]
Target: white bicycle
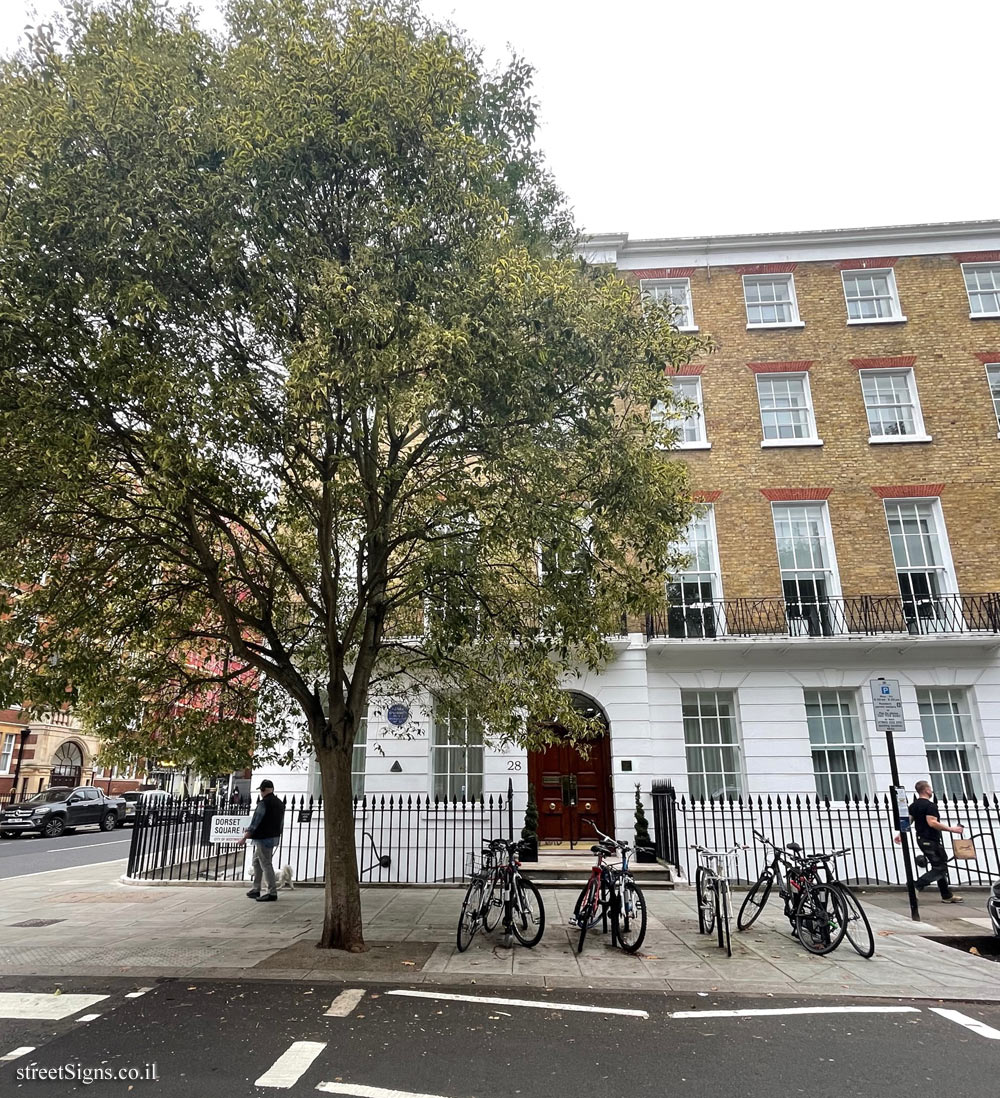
[[711, 885]]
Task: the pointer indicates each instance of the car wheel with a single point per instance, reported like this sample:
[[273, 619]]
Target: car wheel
[[53, 828], [10, 834], [109, 821]]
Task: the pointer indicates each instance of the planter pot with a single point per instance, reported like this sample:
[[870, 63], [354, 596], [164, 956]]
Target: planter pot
[[645, 855], [529, 850]]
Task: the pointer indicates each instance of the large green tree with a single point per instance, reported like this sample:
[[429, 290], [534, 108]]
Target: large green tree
[[298, 373]]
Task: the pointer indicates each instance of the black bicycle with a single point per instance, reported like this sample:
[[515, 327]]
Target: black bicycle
[[611, 894], [815, 909], [500, 894]]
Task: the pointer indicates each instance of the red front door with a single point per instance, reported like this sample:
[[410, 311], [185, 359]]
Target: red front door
[[570, 790]]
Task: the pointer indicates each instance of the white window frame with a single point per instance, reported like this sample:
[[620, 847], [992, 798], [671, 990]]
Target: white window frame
[[359, 758], [658, 289], [930, 620], [681, 424], [812, 439], [698, 785], [919, 431], [967, 268], [7, 752], [713, 576], [958, 700], [993, 381], [450, 748], [896, 317], [848, 717], [794, 320], [831, 572]]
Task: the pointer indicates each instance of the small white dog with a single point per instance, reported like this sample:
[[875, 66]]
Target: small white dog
[[285, 877]]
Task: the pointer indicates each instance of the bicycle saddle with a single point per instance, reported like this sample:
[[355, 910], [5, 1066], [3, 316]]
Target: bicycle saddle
[[794, 848], [601, 849]]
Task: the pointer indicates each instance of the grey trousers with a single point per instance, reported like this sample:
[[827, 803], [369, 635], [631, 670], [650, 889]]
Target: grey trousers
[[262, 867]]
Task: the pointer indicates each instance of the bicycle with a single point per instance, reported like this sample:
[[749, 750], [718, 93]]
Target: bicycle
[[817, 912], [611, 892], [498, 891], [711, 883]]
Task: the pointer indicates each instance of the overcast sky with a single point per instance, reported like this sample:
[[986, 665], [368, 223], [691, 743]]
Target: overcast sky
[[668, 119]]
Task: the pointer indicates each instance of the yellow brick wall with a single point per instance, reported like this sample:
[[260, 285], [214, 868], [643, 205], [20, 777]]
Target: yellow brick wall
[[954, 398]]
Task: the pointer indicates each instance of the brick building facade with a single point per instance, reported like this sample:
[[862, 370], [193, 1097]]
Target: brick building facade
[[844, 436]]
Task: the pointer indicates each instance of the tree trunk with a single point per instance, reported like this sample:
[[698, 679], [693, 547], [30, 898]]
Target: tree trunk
[[342, 911]]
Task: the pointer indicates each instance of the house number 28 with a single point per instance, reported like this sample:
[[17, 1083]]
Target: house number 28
[[513, 764]]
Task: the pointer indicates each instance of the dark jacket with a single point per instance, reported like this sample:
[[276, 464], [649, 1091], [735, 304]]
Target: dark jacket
[[268, 826]]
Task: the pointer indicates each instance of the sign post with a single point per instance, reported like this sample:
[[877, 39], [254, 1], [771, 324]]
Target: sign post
[[888, 706]]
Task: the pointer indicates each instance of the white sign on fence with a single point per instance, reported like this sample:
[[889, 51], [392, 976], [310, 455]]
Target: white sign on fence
[[888, 705], [228, 829]]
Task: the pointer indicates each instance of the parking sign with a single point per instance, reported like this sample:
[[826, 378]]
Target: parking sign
[[888, 705]]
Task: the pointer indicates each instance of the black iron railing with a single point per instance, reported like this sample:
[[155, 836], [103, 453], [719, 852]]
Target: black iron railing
[[863, 615], [402, 839], [864, 824]]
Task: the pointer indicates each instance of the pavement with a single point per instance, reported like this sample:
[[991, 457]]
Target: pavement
[[96, 925]]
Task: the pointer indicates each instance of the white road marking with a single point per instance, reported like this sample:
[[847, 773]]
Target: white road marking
[[522, 1003], [793, 1010], [345, 1002], [87, 1017], [970, 1023], [370, 1092], [136, 994], [16, 1053], [291, 1065], [87, 846], [45, 1006]]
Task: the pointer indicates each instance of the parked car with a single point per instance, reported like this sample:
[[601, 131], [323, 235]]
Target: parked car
[[54, 811], [158, 803]]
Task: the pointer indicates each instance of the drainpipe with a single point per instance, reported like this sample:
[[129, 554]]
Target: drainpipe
[[17, 769]]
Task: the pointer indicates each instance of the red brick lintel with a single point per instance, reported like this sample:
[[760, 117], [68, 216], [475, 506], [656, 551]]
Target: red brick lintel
[[706, 497], [691, 369], [765, 268], [988, 356], [885, 362], [790, 495], [872, 263], [978, 257], [906, 491], [661, 272], [779, 367]]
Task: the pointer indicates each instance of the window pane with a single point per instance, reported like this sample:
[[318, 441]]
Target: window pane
[[711, 743], [458, 752], [769, 300], [993, 378], [946, 722], [784, 406], [983, 285], [890, 402]]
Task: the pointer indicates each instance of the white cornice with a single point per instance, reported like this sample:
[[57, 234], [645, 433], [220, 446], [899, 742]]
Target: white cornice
[[812, 245]]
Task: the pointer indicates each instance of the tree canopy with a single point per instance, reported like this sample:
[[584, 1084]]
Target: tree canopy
[[303, 394]]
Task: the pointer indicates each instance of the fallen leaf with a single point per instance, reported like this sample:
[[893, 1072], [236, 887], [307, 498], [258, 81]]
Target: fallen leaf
[[975, 952], [412, 964]]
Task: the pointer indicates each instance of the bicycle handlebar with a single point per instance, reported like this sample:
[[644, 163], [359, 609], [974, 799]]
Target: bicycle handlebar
[[720, 853], [622, 846]]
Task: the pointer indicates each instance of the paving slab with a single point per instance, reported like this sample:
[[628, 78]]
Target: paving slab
[[200, 931]]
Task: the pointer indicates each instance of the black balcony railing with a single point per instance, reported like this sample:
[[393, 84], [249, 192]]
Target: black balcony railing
[[861, 615]]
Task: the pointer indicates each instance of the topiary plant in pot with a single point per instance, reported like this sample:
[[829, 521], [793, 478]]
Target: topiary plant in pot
[[529, 833], [644, 849]]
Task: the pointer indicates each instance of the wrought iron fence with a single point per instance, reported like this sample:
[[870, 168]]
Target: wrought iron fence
[[866, 615], [866, 825], [402, 839]]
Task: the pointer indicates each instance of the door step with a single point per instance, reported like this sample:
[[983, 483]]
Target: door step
[[571, 870]]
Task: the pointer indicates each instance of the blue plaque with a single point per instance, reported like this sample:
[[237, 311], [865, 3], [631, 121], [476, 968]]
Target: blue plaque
[[398, 715]]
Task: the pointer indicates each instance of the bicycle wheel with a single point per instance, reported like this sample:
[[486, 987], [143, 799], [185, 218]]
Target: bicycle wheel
[[471, 916], [628, 918], [857, 928], [820, 918], [722, 915], [705, 892], [493, 908], [754, 901], [529, 913], [586, 911]]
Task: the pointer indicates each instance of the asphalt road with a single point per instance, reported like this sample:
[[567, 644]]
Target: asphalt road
[[253, 1038], [33, 854]]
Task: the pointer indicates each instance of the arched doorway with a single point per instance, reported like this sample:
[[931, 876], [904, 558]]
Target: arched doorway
[[67, 765], [571, 789]]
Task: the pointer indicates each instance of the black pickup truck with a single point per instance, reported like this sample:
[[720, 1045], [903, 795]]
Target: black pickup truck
[[54, 811]]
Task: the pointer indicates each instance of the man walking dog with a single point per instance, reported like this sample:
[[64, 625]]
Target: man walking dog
[[265, 831]]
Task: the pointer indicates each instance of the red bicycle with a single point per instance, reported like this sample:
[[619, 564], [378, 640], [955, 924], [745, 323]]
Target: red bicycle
[[611, 894]]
